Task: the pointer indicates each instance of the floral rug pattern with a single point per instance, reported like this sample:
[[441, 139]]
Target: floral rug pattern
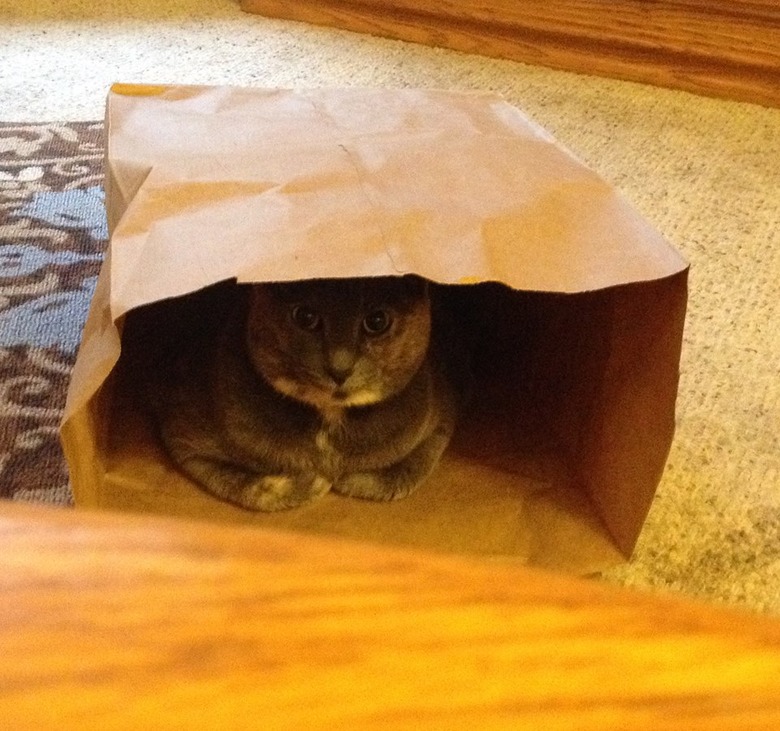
[[52, 238]]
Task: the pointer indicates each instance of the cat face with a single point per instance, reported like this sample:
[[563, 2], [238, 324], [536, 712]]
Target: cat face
[[339, 343]]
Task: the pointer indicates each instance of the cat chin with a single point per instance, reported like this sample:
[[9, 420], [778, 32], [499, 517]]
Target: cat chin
[[323, 401], [361, 398]]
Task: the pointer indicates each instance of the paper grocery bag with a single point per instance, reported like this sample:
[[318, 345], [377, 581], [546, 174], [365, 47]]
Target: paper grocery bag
[[572, 305]]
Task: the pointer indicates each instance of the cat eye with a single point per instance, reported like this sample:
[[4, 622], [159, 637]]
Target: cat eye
[[305, 318], [377, 322]]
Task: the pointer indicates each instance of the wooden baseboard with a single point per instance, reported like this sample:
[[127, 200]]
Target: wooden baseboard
[[724, 48]]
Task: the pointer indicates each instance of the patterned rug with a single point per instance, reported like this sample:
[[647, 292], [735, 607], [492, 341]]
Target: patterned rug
[[52, 237]]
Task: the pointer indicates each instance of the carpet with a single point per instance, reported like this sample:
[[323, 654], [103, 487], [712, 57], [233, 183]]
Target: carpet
[[52, 235]]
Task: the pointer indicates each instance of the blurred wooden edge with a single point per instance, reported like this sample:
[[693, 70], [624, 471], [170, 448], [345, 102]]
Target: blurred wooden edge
[[722, 48], [110, 621]]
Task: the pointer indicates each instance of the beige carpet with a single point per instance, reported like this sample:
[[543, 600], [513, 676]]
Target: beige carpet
[[706, 172]]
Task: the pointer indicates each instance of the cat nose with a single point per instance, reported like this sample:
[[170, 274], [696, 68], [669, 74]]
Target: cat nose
[[340, 366], [339, 376]]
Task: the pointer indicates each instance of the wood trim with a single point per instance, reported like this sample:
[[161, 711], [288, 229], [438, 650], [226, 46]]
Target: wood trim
[[124, 622], [724, 48]]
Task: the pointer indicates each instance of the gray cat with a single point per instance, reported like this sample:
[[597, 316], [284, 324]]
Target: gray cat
[[308, 387]]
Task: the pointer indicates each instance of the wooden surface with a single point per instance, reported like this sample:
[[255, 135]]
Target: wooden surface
[[113, 622], [726, 48]]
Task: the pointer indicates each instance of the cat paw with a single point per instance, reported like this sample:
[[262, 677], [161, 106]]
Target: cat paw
[[271, 493], [372, 486]]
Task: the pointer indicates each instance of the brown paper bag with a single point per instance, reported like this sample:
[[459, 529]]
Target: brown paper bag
[[577, 302]]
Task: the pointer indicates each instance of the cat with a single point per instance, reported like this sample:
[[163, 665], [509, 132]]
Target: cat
[[310, 386]]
